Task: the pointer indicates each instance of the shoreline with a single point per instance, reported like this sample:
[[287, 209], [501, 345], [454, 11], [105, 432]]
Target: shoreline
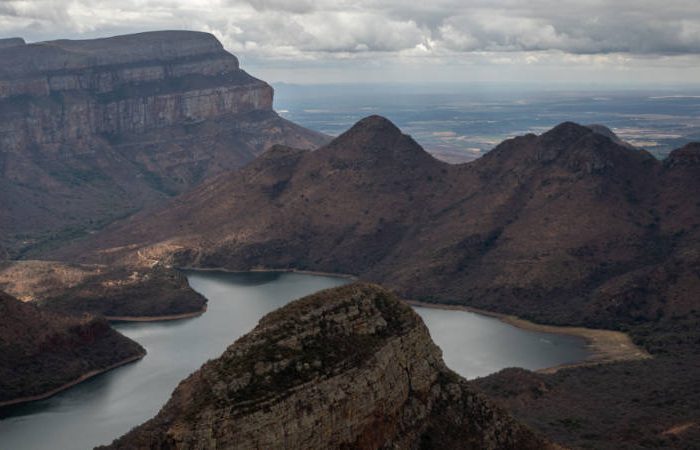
[[75, 382], [607, 346], [263, 270], [165, 318]]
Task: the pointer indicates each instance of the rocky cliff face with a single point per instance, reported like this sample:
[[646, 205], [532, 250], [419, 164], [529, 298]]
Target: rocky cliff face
[[41, 352], [93, 130], [123, 84], [346, 368]]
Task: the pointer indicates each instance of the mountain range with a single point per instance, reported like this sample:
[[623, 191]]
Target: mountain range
[[567, 227], [571, 227]]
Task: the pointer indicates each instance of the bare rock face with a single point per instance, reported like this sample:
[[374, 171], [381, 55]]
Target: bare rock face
[[350, 367], [94, 130], [117, 84]]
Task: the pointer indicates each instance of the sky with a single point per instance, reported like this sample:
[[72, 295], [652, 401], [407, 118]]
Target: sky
[[544, 42]]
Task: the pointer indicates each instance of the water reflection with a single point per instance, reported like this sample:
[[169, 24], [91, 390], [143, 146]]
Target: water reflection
[[103, 408]]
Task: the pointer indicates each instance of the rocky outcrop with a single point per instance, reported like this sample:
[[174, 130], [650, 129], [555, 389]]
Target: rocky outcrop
[[94, 130], [42, 353], [115, 292], [350, 367]]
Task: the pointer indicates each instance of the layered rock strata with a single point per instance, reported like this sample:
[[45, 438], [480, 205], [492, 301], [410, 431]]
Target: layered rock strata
[[95, 130]]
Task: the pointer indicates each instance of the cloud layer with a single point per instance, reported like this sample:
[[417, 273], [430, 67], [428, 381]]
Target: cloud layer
[[615, 32]]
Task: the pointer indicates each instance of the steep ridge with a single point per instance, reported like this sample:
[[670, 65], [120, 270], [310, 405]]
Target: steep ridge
[[350, 367], [42, 352], [567, 228], [551, 227], [94, 130]]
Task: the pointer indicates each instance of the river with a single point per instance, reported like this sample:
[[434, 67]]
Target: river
[[105, 407]]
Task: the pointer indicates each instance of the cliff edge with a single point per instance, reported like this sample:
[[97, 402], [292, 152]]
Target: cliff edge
[[350, 367], [94, 130]]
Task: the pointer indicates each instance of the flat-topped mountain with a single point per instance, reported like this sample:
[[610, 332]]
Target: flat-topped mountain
[[42, 352], [94, 130], [558, 227], [350, 367]]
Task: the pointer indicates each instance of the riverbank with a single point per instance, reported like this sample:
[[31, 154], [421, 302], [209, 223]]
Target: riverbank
[[263, 270], [606, 346], [69, 385], [157, 318]]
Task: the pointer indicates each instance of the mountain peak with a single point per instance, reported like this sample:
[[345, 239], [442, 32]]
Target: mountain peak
[[567, 131], [371, 129], [689, 155], [376, 138], [376, 123]]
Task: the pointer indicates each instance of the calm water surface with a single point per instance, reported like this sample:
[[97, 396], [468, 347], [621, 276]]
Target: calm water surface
[[101, 409]]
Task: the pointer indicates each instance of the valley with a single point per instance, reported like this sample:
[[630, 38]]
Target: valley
[[181, 266], [102, 409]]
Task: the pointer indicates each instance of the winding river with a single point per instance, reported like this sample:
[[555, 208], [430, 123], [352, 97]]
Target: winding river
[[105, 407]]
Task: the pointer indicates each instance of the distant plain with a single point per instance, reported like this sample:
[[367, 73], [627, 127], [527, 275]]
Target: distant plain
[[459, 123]]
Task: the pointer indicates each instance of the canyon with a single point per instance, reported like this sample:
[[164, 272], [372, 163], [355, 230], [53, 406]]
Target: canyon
[[349, 367], [567, 228], [125, 159]]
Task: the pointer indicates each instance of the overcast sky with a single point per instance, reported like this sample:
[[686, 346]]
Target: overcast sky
[[311, 41]]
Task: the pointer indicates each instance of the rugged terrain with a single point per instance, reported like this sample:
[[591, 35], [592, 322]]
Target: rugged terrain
[[42, 352], [116, 292], [95, 130], [350, 367], [570, 227]]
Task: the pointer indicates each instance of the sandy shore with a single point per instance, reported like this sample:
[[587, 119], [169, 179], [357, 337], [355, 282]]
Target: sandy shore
[[606, 345], [157, 318], [78, 380]]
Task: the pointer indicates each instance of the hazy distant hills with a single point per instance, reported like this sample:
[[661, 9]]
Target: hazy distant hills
[[569, 226], [95, 130]]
